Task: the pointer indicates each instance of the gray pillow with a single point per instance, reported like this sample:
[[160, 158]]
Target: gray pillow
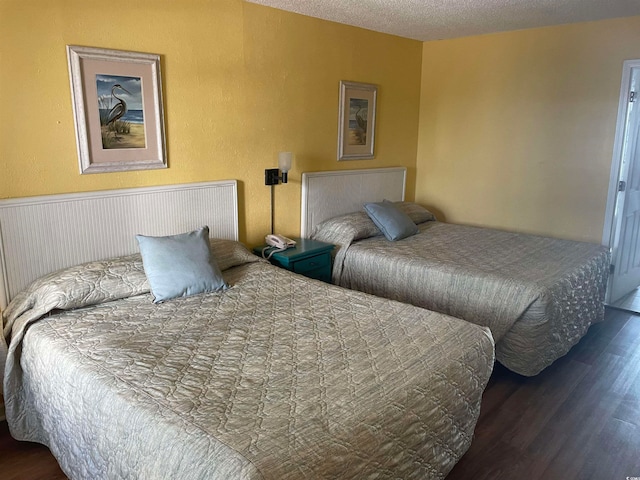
[[417, 213], [394, 224], [180, 265], [230, 253]]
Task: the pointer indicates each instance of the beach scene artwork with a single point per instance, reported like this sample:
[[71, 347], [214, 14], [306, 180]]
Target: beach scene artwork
[[358, 111], [121, 111], [357, 120]]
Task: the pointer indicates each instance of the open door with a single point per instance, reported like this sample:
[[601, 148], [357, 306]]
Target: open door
[[625, 235]]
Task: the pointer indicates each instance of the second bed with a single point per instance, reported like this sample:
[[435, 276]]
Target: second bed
[[538, 295]]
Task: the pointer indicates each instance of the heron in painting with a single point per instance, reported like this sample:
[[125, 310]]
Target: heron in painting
[[360, 120], [119, 109], [360, 131]]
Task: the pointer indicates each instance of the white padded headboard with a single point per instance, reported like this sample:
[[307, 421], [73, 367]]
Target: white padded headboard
[[332, 193], [39, 235]]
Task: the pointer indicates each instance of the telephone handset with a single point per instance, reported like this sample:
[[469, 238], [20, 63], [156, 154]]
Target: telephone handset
[[279, 243]]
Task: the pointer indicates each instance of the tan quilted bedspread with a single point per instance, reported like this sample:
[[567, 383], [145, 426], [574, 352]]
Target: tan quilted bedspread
[[279, 377], [538, 295]]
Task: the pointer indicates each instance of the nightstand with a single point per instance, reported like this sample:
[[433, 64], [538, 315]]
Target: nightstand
[[310, 258]]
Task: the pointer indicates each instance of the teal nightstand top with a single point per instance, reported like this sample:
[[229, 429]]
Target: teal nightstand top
[[305, 247]]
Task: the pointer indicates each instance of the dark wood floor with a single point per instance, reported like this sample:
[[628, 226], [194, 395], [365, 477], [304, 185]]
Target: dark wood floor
[[579, 419], [26, 461]]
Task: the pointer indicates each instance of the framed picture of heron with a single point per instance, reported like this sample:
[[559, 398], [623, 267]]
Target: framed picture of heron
[[357, 119], [118, 112]]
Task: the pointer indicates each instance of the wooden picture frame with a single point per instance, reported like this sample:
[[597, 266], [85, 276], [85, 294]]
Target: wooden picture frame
[[118, 111], [357, 119]]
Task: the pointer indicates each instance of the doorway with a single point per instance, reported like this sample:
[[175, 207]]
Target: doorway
[[622, 219]]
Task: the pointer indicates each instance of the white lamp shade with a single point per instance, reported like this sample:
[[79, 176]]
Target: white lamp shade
[[284, 161]]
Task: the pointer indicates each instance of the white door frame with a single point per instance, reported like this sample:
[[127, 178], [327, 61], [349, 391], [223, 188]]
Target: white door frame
[[619, 171]]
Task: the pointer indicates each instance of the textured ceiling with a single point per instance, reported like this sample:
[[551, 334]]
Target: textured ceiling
[[438, 19]]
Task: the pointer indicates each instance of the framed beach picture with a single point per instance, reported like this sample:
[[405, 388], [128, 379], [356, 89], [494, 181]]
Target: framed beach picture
[[357, 119], [117, 106]]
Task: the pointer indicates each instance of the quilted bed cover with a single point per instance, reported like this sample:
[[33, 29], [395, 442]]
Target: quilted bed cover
[[278, 377], [538, 295]]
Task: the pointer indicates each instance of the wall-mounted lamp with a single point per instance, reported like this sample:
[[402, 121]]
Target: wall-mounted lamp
[[272, 176]]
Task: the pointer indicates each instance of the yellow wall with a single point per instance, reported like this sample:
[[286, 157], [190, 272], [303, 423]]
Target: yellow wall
[[241, 83], [517, 128]]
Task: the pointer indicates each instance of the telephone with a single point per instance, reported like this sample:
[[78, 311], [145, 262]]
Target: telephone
[[279, 243]]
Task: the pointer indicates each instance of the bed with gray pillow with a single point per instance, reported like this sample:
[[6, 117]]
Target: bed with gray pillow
[[538, 295], [267, 375]]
